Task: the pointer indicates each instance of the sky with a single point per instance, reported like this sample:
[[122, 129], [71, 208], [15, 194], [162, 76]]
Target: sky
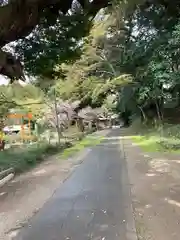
[[3, 80]]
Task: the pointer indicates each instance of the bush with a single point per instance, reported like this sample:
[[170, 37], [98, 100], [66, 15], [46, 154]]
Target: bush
[[17, 138], [22, 159], [164, 137]]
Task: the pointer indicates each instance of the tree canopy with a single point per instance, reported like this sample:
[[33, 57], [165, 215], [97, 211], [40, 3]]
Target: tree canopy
[[125, 59], [44, 20]]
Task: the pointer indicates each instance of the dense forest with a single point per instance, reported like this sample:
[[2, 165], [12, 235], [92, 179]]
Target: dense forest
[[123, 57]]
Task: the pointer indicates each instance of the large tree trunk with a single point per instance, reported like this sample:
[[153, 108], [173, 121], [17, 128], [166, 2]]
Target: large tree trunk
[[18, 18]]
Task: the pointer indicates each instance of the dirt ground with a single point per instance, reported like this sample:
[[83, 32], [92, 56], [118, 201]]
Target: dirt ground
[[155, 182]]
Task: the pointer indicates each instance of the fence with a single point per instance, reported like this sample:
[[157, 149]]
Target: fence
[[6, 176]]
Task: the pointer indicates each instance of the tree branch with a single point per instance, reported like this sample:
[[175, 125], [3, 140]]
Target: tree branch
[[18, 18], [11, 66]]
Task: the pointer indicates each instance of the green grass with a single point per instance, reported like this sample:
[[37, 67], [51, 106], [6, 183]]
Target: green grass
[[148, 143], [164, 138], [88, 141], [22, 159]]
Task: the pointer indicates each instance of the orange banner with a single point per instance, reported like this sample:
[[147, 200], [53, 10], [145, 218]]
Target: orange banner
[[18, 115]]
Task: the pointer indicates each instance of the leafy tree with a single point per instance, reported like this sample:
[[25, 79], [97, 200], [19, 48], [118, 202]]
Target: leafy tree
[[97, 73], [27, 98], [58, 43], [19, 18]]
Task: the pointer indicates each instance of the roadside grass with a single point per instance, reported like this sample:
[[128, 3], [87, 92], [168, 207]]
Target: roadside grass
[[88, 141], [25, 157], [148, 143], [162, 138]]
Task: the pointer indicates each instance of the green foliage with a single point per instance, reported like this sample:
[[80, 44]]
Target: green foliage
[[5, 101], [109, 103], [27, 98], [131, 52], [51, 44], [97, 73], [153, 59], [86, 142], [157, 139], [22, 159]]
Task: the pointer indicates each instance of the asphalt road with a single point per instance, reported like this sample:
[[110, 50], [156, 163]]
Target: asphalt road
[[91, 204]]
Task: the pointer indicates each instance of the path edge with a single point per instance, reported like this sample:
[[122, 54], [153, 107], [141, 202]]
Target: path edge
[[131, 233]]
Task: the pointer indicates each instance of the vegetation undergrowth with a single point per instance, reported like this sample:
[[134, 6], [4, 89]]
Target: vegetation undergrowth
[[22, 159], [87, 141], [159, 138]]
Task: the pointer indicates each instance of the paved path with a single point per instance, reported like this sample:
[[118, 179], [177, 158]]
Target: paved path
[[91, 204]]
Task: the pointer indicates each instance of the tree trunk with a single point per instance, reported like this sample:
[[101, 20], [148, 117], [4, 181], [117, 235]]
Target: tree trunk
[[158, 111], [80, 125], [143, 115], [90, 125], [57, 119], [18, 18]]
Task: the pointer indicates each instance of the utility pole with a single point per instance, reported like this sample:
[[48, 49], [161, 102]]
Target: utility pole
[[57, 119]]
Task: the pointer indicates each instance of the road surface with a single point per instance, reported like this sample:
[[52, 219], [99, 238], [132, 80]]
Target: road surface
[[93, 203]]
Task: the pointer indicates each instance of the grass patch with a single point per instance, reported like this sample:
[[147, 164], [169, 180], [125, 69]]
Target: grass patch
[[22, 159], [148, 143], [88, 141], [164, 138]]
